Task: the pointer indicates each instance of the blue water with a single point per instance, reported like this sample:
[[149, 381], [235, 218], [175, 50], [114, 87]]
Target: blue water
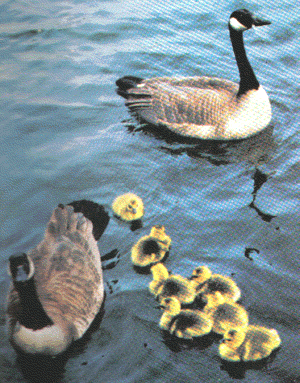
[[66, 135]]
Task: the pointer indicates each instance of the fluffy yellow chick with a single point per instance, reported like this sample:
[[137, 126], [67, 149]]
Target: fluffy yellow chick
[[128, 207], [250, 344], [225, 315], [207, 283], [185, 324], [152, 248]]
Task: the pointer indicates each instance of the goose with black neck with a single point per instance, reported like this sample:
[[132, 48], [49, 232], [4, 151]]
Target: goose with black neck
[[204, 107]]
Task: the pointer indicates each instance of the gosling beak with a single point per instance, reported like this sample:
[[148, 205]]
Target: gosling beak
[[257, 22]]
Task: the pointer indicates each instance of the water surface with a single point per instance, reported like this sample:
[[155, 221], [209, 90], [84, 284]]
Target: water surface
[[66, 135]]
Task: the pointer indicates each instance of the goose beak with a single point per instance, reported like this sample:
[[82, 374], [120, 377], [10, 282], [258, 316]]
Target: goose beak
[[257, 22]]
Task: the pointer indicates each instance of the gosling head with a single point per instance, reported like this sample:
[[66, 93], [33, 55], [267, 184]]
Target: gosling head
[[128, 207], [157, 230], [234, 338], [201, 274], [242, 19], [170, 305]]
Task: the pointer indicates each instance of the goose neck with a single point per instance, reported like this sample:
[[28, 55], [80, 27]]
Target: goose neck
[[248, 81], [32, 314]]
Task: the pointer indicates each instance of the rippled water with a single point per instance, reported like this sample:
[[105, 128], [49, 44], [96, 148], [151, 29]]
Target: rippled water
[[66, 135]]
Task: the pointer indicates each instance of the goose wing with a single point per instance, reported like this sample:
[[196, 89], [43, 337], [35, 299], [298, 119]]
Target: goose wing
[[183, 105], [68, 272]]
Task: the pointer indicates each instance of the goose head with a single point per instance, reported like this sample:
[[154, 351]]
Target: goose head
[[242, 19], [21, 268]]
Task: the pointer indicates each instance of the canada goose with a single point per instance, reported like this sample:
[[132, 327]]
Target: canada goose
[[204, 107], [225, 314], [185, 324], [160, 273], [152, 248], [210, 283], [57, 288], [251, 344], [128, 207]]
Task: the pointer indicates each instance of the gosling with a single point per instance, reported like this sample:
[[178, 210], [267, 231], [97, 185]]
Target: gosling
[[207, 283], [165, 285], [152, 248], [225, 314], [128, 207], [57, 288], [186, 324], [251, 344]]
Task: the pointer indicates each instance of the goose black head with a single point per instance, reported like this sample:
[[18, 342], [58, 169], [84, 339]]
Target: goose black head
[[21, 267], [242, 19]]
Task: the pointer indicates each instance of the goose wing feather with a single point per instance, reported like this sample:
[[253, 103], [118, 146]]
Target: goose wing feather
[[184, 104], [68, 274]]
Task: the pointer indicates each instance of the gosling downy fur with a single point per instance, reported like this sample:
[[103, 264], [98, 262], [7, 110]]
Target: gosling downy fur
[[224, 314], [160, 273], [207, 283], [173, 286], [186, 324], [152, 248], [128, 207], [57, 288], [204, 107], [251, 344]]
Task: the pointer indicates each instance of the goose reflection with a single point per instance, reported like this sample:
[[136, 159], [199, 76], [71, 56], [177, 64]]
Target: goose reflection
[[255, 150], [259, 179]]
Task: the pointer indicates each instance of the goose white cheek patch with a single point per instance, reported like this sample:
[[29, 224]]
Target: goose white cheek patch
[[235, 24]]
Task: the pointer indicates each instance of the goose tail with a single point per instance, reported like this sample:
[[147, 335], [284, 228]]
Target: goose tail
[[95, 213], [127, 82]]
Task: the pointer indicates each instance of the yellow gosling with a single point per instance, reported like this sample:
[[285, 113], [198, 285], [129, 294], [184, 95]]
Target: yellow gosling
[[178, 287], [146, 251], [128, 207], [152, 248], [225, 315], [209, 283], [186, 324], [160, 274], [251, 344]]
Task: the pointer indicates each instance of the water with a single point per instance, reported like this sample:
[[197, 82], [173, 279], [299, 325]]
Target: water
[[66, 135]]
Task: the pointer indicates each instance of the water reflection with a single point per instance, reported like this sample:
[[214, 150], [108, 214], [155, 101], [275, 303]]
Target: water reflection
[[255, 150], [238, 370], [259, 179]]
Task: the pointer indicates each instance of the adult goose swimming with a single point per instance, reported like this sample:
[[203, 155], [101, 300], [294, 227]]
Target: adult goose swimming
[[204, 107], [57, 288]]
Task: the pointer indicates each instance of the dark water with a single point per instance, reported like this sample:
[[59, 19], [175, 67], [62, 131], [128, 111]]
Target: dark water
[[66, 135]]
